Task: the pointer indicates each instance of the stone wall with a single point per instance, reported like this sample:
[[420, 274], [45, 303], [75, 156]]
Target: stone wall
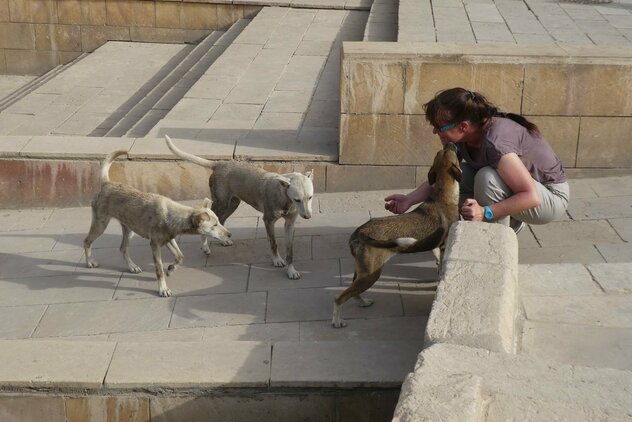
[[580, 97], [37, 35]]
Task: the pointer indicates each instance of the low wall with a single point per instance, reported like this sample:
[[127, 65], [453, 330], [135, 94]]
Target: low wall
[[580, 97], [36, 36]]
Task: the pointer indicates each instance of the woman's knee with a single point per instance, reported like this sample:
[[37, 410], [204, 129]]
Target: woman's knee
[[489, 186]]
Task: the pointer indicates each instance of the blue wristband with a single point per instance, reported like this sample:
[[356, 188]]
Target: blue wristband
[[488, 214]]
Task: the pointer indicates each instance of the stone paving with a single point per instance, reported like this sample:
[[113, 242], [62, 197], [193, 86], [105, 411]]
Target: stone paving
[[516, 21]]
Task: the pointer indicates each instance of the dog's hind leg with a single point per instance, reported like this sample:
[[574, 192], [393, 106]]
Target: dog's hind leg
[[127, 235], [177, 253], [163, 290], [368, 271], [276, 258], [289, 237], [97, 227]]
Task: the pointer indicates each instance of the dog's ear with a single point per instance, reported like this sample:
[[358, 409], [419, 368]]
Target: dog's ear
[[284, 181], [206, 203], [432, 176], [310, 174], [456, 172], [197, 218]]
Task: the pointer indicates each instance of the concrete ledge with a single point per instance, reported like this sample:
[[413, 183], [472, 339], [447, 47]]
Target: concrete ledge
[[476, 297], [491, 386]]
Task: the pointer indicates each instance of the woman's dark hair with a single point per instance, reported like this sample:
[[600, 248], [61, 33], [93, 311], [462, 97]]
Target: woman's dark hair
[[458, 104]]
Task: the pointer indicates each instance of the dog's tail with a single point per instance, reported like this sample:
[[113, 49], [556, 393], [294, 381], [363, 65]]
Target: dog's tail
[[185, 155], [105, 168]]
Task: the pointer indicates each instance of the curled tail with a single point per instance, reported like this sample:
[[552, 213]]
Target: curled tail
[[186, 156], [105, 167]]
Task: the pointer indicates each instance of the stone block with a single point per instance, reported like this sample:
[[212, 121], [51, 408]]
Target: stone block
[[358, 178], [93, 37], [603, 141], [91, 408], [376, 87], [67, 56], [190, 365], [500, 83], [199, 16], [58, 37], [609, 347], [386, 139], [32, 408], [4, 11], [240, 408], [460, 398], [597, 310], [168, 14], [556, 279], [250, 11], [312, 364], [475, 302], [164, 35], [614, 277], [562, 133], [69, 12], [17, 36], [577, 90], [3, 62], [60, 363], [130, 13], [42, 11], [30, 62], [228, 14], [574, 233]]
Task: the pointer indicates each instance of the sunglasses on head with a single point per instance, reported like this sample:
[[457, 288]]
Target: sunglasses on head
[[446, 127]]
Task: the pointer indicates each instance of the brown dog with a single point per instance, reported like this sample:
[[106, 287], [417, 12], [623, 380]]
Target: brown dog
[[152, 216], [423, 229]]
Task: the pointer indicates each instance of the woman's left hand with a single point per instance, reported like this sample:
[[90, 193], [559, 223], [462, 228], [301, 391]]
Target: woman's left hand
[[471, 210]]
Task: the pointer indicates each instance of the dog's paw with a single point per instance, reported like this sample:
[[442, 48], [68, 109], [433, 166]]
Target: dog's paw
[[135, 269], [226, 242], [206, 249], [171, 268], [92, 264], [338, 324], [279, 262], [365, 302], [292, 274], [166, 292]]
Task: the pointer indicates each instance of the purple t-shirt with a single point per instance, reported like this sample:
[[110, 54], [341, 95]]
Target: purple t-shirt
[[505, 136]]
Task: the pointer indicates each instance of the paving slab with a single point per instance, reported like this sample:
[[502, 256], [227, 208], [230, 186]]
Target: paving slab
[[288, 331], [58, 364], [567, 233], [105, 317], [612, 252], [603, 347], [601, 310], [556, 279], [613, 278], [219, 310], [19, 321], [190, 365], [410, 329], [320, 273], [342, 364]]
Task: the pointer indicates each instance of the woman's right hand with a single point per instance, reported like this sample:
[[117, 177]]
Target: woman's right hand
[[397, 203]]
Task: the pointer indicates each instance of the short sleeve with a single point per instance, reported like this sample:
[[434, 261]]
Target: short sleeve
[[498, 148]]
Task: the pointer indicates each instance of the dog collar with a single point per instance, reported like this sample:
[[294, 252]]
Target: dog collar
[[488, 214]]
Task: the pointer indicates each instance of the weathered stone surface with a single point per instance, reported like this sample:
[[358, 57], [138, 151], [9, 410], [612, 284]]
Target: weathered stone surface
[[375, 139], [601, 310], [556, 279], [499, 82], [457, 398], [581, 89], [475, 302], [376, 87], [101, 408], [32, 408], [54, 363], [613, 278], [562, 133], [603, 140]]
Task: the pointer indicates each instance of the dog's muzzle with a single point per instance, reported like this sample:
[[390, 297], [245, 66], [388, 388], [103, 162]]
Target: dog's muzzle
[[450, 146]]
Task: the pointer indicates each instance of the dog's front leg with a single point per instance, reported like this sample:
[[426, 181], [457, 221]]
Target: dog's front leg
[[289, 236], [177, 253], [276, 258], [163, 290], [127, 235]]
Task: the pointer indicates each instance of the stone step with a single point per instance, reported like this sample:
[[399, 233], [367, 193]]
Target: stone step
[[90, 94], [382, 22]]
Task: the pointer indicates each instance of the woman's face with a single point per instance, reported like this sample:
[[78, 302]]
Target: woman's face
[[449, 132]]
